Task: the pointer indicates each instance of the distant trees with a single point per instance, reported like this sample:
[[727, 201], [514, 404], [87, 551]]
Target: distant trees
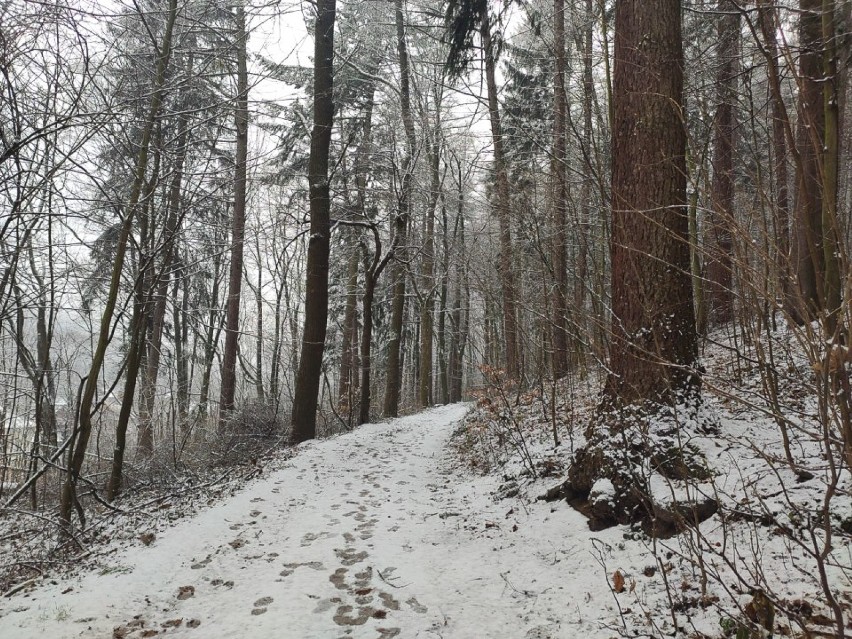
[[447, 196]]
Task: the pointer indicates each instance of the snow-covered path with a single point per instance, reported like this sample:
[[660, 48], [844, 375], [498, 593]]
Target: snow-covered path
[[371, 534]]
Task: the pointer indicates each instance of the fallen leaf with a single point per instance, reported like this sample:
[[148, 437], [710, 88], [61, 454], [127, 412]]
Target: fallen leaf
[[185, 592], [618, 581]]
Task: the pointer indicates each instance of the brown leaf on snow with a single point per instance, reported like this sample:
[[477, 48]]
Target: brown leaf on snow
[[185, 592], [618, 581]]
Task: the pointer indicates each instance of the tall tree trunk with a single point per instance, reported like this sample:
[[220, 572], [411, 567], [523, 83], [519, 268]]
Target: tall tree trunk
[[134, 362], [258, 343], [212, 334], [458, 316], [831, 230], [235, 279], [504, 209], [393, 382], [427, 330], [559, 301], [719, 269], [348, 373], [808, 258], [316, 288], [180, 311], [349, 366], [77, 452], [780, 122], [160, 284], [654, 341], [585, 222], [136, 355]]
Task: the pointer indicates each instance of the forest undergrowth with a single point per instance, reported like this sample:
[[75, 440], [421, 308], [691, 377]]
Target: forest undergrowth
[[210, 467]]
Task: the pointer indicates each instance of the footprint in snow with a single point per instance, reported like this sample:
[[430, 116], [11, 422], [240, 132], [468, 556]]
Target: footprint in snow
[[416, 606], [260, 606], [349, 556]]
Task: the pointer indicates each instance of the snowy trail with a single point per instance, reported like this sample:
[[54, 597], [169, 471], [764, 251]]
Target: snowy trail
[[371, 534]]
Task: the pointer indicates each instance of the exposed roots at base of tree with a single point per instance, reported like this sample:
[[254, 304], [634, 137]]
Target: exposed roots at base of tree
[[641, 466]]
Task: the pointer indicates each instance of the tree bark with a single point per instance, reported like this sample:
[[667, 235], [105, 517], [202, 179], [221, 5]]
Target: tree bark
[[719, 268], [831, 230], [808, 258], [393, 382], [654, 341], [427, 325], [316, 287], [503, 208], [780, 122]]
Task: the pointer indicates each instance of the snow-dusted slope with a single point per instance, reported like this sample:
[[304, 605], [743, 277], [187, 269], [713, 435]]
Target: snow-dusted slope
[[370, 534]]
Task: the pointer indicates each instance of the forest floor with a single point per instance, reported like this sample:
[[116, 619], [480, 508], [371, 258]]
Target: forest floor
[[431, 526]]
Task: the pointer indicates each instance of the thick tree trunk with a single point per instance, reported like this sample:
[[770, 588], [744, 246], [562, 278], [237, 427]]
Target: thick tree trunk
[[719, 268], [316, 288], [581, 324], [235, 279], [654, 342], [652, 368], [503, 207]]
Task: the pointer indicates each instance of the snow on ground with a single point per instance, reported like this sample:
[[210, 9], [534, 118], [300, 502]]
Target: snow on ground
[[430, 526], [376, 533]]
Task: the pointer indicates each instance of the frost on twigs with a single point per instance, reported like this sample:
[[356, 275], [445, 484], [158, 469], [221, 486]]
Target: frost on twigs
[[640, 465]]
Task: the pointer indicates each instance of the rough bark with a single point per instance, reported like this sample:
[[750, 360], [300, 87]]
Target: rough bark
[[316, 287], [654, 342], [652, 390]]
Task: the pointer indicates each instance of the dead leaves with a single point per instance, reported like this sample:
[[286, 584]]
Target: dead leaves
[[618, 581]]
